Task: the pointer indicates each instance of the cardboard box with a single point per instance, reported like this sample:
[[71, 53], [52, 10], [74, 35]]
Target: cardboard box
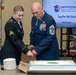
[[23, 66]]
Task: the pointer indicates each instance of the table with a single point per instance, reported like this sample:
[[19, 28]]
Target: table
[[18, 72]]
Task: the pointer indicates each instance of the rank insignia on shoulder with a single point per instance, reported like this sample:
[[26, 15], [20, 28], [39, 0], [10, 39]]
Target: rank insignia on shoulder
[[11, 20], [11, 32]]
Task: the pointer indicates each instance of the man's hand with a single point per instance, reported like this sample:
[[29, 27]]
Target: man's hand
[[29, 53], [31, 47], [34, 52]]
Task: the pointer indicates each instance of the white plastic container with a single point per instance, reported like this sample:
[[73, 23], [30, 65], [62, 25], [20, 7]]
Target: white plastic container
[[9, 63]]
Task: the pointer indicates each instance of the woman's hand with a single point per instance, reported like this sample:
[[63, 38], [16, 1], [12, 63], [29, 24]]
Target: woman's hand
[[29, 53], [31, 47]]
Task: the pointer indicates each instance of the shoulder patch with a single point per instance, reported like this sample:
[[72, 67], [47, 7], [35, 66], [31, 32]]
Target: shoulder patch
[[52, 30], [11, 32]]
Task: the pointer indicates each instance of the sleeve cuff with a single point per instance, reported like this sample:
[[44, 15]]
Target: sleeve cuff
[[25, 50]]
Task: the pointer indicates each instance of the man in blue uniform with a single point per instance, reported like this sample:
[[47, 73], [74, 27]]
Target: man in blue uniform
[[43, 34]]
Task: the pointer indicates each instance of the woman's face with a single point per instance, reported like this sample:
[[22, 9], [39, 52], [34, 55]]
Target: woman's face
[[19, 15]]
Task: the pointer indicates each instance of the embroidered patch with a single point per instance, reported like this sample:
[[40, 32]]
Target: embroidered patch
[[52, 30], [11, 32]]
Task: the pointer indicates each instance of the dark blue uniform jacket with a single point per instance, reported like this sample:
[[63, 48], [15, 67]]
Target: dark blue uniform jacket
[[43, 37], [13, 44]]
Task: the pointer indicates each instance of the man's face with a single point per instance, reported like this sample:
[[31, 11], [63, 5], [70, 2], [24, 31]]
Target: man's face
[[37, 13], [19, 15]]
